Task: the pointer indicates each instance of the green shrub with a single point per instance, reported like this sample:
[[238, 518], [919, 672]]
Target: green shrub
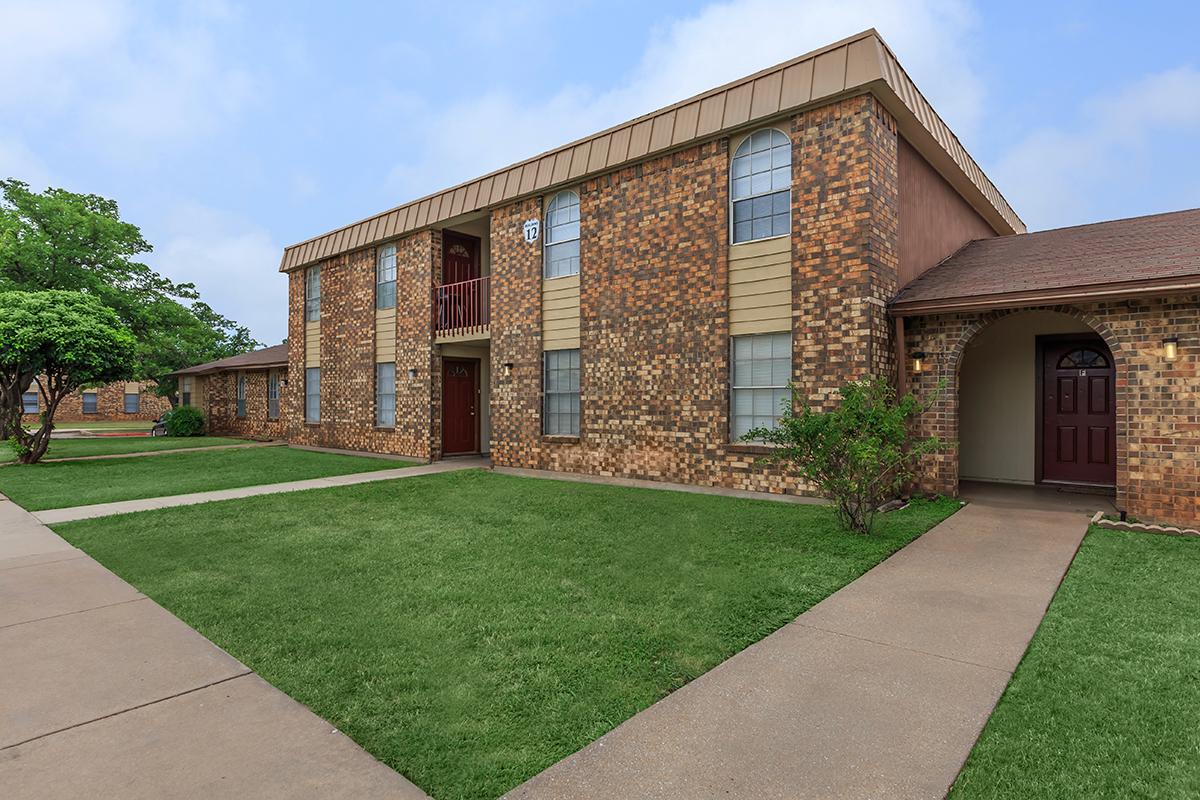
[[859, 455], [185, 421]]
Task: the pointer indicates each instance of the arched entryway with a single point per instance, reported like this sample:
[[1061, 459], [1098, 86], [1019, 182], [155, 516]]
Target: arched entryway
[[1037, 401]]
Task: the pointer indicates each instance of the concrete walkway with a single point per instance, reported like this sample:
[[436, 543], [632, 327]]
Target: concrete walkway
[[107, 695], [879, 691], [56, 515]]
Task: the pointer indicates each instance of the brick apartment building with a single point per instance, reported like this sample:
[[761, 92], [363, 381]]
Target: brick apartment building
[[630, 303], [241, 395], [123, 401]]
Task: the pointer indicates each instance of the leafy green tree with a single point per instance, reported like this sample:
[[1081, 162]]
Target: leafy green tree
[[78, 242], [859, 455], [62, 341]]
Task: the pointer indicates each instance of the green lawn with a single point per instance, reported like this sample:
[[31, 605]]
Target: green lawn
[[78, 483], [1106, 703], [118, 445], [105, 425], [470, 629]]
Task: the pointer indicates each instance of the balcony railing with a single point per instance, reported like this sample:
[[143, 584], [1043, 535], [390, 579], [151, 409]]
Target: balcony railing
[[462, 308]]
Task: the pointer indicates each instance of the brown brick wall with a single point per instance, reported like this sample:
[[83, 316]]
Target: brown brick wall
[[221, 406], [348, 353], [110, 402], [1158, 422], [654, 326]]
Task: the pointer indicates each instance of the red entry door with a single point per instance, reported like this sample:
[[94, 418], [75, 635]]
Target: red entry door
[[460, 257], [1078, 412], [460, 422]]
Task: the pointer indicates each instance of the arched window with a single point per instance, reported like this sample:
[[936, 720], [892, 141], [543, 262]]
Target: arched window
[[562, 235], [1083, 359], [761, 186]]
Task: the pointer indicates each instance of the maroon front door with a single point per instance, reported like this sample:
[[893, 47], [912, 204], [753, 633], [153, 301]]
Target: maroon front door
[[460, 390], [460, 257], [1078, 413]]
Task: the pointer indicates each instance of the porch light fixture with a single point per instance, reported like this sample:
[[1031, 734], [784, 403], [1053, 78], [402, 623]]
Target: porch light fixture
[[412, 373], [918, 361], [1171, 348], [507, 365]]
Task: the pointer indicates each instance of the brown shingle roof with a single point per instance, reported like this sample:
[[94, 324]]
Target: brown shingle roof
[[275, 356], [860, 63], [1153, 254]]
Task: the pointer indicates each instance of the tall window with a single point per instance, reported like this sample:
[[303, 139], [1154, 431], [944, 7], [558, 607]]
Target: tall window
[[312, 294], [241, 394], [29, 403], [561, 381], [762, 367], [185, 391], [133, 402], [89, 403], [385, 394], [312, 394], [562, 235], [761, 186], [385, 277], [273, 394]]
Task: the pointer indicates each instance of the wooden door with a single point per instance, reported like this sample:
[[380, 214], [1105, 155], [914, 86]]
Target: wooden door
[[460, 420], [460, 257], [1078, 413]]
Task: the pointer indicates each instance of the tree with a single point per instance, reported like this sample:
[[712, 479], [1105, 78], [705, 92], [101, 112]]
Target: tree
[[65, 341], [78, 242], [858, 455]]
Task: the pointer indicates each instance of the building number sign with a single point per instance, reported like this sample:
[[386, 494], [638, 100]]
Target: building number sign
[[532, 229]]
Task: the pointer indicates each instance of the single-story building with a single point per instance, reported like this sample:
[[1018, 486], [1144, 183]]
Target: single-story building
[[121, 401], [242, 395]]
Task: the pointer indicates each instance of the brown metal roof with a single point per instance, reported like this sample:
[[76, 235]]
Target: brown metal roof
[[1158, 254], [860, 63], [275, 356]]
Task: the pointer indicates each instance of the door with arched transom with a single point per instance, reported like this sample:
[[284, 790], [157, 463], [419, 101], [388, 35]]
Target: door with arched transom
[[1078, 411]]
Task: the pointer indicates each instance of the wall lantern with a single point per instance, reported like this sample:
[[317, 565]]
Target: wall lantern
[[507, 366], [1171, 348], [918, 361], [412, 373]]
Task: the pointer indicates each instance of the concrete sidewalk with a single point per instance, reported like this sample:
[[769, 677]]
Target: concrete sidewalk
[[879, 691], [107, 695], [56, 515]]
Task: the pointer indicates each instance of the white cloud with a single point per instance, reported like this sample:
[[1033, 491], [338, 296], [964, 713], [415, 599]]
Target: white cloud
[[102, 74], [722, 42], [18, 161], [1078, 173], [232, 263]]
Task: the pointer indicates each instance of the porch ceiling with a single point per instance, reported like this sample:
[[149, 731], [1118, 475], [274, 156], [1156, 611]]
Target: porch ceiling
[[1157, 254]]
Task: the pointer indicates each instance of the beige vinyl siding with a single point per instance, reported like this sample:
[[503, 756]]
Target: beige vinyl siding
[[133, 388], [312, 343], [760, 286], [560, 313], [385, 335]]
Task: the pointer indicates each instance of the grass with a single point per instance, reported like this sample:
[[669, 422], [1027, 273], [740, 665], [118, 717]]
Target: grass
[[470, 629], [105, 425], [73, 448], [78, 483], [1106, 702]]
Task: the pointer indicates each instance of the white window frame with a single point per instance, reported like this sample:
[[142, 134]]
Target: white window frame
[[312, 293], [312, 399], [95, 409], [385, 287], [240, 397], [550, 242], [273, 394], [773, 386], [733, 199], [385, 412], [551, 417], [37, 405], [137, 402], [185, 391]]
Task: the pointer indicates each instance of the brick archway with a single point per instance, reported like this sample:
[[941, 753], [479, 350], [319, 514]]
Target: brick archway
[[944, 338]]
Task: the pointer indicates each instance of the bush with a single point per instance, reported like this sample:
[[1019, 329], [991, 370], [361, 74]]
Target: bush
[[859, 455], [184, 421]]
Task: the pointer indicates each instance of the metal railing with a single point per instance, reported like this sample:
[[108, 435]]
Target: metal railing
[[462, 308]]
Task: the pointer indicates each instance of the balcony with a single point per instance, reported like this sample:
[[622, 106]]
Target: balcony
[[462, 310]]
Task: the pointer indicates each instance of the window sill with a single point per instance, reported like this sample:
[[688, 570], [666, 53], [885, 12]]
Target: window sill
[[560, 439], [385, 428], [752, 449]]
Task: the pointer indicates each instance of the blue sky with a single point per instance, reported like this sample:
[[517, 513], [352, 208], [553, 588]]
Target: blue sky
[[227, 130]]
